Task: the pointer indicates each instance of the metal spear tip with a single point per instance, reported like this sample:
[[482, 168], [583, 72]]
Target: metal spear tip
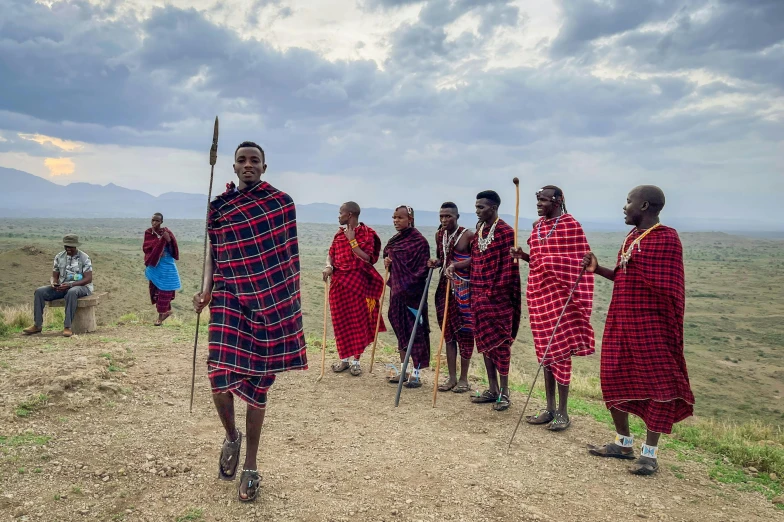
[[516, 181]]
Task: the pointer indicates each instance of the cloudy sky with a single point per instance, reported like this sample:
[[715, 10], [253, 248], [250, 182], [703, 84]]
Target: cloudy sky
[[405, 101]]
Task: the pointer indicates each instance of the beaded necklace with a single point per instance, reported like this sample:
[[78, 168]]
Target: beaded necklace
[[550, 233], [484, 242], [447, 242], [626, 255]]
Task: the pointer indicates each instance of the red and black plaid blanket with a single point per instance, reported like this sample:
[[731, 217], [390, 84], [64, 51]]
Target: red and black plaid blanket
[[495, 296], [643, 370], [154, 246], [554, 267], [459, 328], [256, 320], [410, 252], [354, 292]]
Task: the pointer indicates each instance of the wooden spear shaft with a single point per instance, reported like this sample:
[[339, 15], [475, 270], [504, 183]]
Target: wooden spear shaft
[[213, 160], [324, 337], [441, 342], [517, 211], [378, 319]]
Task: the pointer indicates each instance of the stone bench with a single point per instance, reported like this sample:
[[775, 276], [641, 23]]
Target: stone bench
[[84, 319]]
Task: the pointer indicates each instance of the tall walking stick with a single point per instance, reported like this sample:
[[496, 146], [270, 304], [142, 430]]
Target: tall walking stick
[[516, 182], [324, 337], [441, 342], [544, 355], [413, 337], [378, 319], [213, 159]]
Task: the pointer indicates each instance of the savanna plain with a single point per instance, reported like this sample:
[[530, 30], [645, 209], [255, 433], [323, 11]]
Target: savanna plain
[[97, 426]]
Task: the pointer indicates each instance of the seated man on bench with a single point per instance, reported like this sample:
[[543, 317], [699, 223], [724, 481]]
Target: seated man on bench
[[72, 278]]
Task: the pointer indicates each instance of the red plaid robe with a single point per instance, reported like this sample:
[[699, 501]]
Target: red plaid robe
[[643, 370], [554, 267], [410, 253], [495, 296], [354, 292], [256, 320], [458, 329]]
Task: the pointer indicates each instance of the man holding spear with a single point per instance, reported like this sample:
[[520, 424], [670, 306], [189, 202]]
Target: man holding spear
[[356, 288], [252, 286], [495, 297]]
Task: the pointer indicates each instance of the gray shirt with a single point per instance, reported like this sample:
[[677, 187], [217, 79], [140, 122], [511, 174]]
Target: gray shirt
[[69, 266]]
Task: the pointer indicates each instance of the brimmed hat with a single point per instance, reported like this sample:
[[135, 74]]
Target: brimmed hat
[[71, 240]]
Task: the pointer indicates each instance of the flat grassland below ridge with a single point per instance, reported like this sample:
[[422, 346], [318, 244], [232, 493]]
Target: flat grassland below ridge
[[734, 324]]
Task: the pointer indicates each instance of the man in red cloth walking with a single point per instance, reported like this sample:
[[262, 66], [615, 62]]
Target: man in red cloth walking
[[495, 297], [643, 370], [355, 289], [252, 286], [557, 246], [453, 245]]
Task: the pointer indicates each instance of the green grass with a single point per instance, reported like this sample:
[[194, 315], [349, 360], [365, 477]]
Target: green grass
[[191, 515], [23, 440], [33, 404]]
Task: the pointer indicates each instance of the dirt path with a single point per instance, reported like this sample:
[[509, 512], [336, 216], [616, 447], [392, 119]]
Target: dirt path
[[123, 447]]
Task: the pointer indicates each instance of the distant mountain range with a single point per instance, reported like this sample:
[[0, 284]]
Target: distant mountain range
[[24, 195]]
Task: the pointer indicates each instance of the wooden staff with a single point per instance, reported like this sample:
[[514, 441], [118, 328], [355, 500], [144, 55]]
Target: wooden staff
[[441, 342], [516, 182], [213, 160], [324, 337], [378, 319]]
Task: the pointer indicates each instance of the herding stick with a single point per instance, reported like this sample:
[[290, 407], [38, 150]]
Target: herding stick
[[441, 342], [378, 319], [530, 391]]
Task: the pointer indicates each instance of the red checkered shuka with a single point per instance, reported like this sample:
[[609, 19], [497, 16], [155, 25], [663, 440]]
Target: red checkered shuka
[[256, 316], [161, 298], [643, 370], [410, 253], [553, 269], [459, 327], [495, 296], [354, 292]]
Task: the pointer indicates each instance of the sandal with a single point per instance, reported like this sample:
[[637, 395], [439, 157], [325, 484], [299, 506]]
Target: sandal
[[611, 451], [355, 370], [231, 454], [543, 417], [502, 403], [462, 388], [484, 398], [446, 386], [413, 383], [560, 422], [160, 320], [644, 466], [252, 477], [340, 366], [396, 379]]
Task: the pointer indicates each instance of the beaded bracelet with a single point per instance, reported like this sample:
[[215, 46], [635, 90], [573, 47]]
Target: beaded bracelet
[[353, 243]]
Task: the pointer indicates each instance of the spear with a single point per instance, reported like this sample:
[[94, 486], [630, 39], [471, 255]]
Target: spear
[[412, 338], [213, 159]]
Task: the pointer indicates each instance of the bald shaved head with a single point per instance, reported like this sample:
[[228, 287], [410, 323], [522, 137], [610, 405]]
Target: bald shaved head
[[352, 207], [652, 194], [348, 213]]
